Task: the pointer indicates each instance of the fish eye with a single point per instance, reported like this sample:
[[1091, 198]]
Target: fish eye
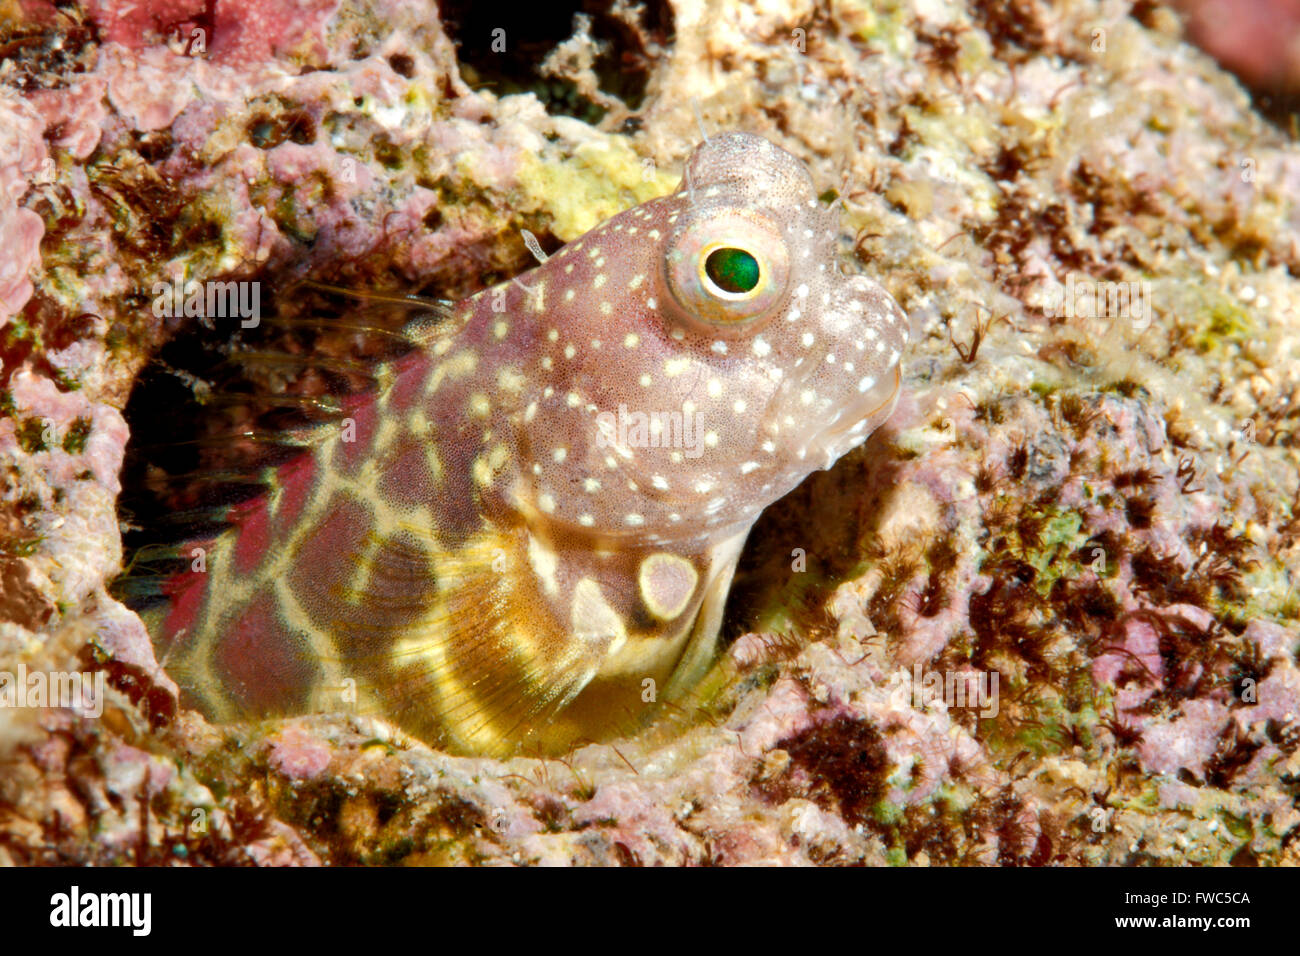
[[732, 271], [727, 271]]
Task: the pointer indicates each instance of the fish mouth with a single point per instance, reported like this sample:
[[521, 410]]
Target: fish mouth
[[856, 422]]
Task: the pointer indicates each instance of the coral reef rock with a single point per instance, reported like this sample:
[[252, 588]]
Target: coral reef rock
[[1046, 616]]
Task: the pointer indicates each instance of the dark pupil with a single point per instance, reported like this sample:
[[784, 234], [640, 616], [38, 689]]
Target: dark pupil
[[732, 270]]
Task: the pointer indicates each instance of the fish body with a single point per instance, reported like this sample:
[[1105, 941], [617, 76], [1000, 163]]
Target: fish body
[[524, 537]]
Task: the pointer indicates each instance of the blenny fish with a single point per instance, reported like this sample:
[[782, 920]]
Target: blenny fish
[[523, 537]]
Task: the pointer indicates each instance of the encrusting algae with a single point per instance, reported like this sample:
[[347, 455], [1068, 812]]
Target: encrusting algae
[[1097, 510]]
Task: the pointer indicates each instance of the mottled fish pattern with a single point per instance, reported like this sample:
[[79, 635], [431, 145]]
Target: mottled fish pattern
[[540, 508]]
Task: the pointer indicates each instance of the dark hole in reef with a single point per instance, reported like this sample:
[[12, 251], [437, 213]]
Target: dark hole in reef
[[805, 545], [402, 64], [267, 132], [155, 146], [195, 404], [1282, 109], [622, 69]]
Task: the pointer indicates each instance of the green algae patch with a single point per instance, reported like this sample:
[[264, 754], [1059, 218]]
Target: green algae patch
[[880, 24], [1051, 730], [1059, 535], [1269, 593], [888, 814], [1224, 323], [1061, 532]]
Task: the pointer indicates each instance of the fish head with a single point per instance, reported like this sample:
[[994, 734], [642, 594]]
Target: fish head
[[704, 354]]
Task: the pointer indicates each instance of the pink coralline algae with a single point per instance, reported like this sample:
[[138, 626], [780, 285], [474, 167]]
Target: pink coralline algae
[[298, 755], [22, 229], [233, 32], [22, 158], [75, 115]]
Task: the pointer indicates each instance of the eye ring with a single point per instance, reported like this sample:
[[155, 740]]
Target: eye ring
[[726, 273]]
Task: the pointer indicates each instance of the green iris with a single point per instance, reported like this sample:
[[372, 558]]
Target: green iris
[[732, 270]]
